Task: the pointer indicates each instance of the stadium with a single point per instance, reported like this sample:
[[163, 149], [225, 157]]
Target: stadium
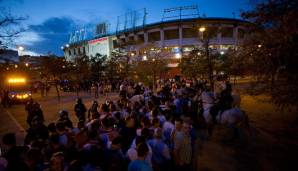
[[176, 36]]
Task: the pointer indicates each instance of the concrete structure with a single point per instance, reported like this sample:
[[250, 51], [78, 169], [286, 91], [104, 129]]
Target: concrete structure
[[177, 37]]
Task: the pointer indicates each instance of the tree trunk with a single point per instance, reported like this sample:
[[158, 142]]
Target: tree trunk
[[57, 91]]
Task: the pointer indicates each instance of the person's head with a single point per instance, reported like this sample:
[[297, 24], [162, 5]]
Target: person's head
[[79, 101], [52, 127], [139, 140], [104, 108], [178, 123], [9, 139], [155, 123], [158, 133], [186, 127], [145, 133], [57, 162], [36, 121], [60, 127], [117, 142], [63, 114], [130, 122], [142, 150], [81, 124]]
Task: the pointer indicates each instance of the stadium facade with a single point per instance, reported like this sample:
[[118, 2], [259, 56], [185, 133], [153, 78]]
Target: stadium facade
[[178, 37]]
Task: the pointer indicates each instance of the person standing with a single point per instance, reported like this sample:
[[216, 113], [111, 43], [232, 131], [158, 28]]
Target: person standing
[[80, 110], [182, 149], [140, 164]]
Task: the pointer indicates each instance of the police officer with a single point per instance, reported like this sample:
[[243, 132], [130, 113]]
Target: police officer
[[80, 110]]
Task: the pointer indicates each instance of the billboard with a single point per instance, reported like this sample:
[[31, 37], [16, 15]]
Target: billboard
[[99, 46]]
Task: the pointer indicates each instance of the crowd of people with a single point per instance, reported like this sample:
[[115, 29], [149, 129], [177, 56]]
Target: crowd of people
[[141, 131]]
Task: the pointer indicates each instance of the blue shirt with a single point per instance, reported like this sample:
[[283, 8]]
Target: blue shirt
[[139, 165]]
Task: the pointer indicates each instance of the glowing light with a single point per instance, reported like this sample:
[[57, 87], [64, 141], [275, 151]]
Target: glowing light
[[132, 54], [67, 45], [62, 47], [21, 48], [16, 66], [202, 29], [222, 52], [16, 80], [259, 46], [178, 56], [26, 64], [199, 53], [144, 58]]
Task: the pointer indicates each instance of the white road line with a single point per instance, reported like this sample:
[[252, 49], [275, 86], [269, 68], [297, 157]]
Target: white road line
[[15, 121]]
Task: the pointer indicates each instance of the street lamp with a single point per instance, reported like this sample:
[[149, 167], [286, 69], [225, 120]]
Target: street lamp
[[206, 44], [21, 49], [202, 29]]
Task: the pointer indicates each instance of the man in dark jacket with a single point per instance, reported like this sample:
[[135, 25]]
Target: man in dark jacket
[[80, 110]]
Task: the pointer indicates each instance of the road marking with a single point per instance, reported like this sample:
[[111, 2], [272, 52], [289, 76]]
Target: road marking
[[15, 121]]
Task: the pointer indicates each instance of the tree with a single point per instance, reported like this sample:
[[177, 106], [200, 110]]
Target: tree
[[97, 66], [270, 51], [52, 68], [155, 64], [10, 26], [194, 64]]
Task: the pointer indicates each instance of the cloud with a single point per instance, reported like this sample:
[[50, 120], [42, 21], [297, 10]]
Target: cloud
[[50, 35]]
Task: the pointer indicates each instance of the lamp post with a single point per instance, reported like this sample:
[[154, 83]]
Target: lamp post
[[205, 41], [21, 49]]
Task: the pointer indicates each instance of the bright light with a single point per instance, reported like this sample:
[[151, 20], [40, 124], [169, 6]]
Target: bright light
[[259, 46], [199, 53], [202, 29], [21, 48], [144, 58], [178, 56], [67, 45], [222, 52], [16, 66], [26, 64], [153, 59], [62, 47], [63, 66], [16, 80], [132, 54]]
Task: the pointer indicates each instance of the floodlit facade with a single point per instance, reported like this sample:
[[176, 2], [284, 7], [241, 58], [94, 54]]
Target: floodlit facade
[[178, 37]]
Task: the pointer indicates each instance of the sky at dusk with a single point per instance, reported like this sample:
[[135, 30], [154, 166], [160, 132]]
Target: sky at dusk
[[50, 22]]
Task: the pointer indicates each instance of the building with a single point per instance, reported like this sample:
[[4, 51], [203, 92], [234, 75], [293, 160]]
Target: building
[[176, 37], [9, 56]]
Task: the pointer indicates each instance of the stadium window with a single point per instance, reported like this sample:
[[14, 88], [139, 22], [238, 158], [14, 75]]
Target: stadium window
[[171, 34], [141, 38], [154, 36], [241, 33], [227, 32], [189, 33], [212, 32]]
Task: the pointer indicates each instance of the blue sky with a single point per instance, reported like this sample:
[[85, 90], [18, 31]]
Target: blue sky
[[50, 22]]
